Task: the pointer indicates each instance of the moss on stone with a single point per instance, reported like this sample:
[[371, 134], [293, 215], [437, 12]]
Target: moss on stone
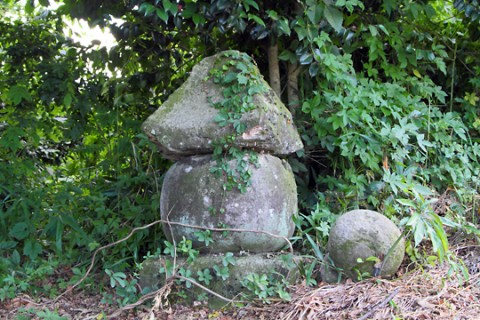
[[363, 234]]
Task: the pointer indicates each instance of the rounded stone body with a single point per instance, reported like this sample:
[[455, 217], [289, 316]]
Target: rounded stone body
[[364, 234], [192, 195]]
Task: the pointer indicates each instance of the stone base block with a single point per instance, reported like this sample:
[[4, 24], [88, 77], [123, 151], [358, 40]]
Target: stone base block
[[152, 275]]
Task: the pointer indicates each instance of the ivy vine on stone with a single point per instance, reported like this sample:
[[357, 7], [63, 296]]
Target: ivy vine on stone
[[234, 72]]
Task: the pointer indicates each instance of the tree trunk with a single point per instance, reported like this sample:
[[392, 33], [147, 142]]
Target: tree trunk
[[292, 87], [274, 69], [293, 70]]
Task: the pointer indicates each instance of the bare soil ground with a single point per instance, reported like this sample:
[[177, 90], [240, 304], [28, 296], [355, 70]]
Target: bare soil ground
[[421, 293]]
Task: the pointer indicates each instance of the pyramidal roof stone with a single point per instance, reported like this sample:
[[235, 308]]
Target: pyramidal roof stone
[[184, 125]]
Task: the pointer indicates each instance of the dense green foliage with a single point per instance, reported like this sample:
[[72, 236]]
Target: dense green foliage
[[387, 106]]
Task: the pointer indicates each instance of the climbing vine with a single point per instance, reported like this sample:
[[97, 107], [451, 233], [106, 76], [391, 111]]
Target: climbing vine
[[235, 73]]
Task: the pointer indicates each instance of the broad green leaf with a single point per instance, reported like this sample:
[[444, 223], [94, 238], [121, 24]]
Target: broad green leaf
[[169, 6], [11, 138], [334, 17], [423, 144], [314, 14], [18, 93], [256, 19], [198, 19], [15, 257], [441, 235], [32, 249], [5, 245], [19, 231], [251, 3], [419, 231], [422, 190], [162, 14], [306, 58], [283, 26], [287, 55], [313, 69], [390, 5], [189, 10], [72, 223], [406, 202], [382, 27], [471, 98], [67, 100], [29, 7], [147, 8], [272, 15]]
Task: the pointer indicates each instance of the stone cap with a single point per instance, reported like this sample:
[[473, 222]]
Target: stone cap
[[184, 125]]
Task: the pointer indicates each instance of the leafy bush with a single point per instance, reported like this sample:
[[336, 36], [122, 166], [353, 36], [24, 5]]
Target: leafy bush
[[76, 172]]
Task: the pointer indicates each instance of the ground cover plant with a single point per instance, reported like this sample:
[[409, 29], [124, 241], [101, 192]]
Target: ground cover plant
[[384, 93]]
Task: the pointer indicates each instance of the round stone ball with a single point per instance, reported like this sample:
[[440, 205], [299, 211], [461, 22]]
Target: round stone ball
[[367, 235], [193, 195]]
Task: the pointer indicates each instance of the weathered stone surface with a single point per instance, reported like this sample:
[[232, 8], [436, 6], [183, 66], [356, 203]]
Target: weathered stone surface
[[363, 234], [328, 272], [190, 192], [184, 124], [231, 287]]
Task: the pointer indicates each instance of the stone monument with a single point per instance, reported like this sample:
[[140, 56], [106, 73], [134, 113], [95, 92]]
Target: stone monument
[[229, 171]]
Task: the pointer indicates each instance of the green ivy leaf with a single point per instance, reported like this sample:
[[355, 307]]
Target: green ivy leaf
[[221, 272], [205, 276], [228, 259], [242, 79], [230, 77]]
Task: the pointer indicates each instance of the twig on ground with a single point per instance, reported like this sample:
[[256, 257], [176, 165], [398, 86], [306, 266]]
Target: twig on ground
[[144, 298], [207, 290], [380, 304]]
